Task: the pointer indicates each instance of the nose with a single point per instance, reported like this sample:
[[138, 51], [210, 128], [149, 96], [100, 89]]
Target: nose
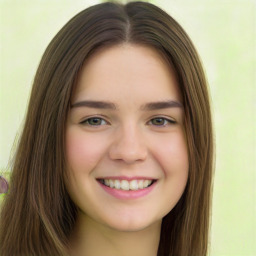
[[128, 146]]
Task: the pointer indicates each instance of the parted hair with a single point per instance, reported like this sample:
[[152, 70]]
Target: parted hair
[[37, 215]]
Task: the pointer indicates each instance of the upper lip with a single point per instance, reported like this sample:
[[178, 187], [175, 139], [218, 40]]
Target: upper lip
[[125, 178]]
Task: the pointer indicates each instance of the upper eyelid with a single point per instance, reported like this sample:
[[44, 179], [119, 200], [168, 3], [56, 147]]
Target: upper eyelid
[[170, 119], [94, 116], [83, 120]]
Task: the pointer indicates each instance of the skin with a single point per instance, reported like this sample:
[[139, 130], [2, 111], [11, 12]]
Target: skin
[[126, 138]]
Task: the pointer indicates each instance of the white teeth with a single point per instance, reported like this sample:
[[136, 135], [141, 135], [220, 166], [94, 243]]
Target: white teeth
[[117, 184], [127, 185], [111, 183], [146, 183], [140, 184], [134, 185]]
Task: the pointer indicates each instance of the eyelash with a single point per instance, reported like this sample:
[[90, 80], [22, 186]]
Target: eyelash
[[166, 121], [87, 121]]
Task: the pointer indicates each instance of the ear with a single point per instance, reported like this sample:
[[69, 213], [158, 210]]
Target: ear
[[3, 185]]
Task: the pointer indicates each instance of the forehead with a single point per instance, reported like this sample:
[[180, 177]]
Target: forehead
[[126, 69]]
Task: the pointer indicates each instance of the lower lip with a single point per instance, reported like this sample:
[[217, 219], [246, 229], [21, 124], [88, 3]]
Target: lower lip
[[128, 194]]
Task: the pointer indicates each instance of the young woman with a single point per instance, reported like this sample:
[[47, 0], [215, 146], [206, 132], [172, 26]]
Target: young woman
[[116, 153]]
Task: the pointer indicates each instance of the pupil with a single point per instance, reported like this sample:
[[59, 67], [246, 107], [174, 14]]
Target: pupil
[[94, 121], [158, 121]]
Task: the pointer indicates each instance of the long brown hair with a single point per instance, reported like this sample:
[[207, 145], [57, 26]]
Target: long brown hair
[[38, 215]]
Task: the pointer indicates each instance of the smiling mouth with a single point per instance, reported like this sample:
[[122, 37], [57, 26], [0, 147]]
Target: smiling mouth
[[127, 185]]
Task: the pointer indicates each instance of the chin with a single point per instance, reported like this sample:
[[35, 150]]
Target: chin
[[133, 224]]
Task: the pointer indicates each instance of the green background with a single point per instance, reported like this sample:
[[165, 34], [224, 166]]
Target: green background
[[224, 33]]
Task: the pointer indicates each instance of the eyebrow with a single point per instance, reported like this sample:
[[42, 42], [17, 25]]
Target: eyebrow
[[162, 105], [94, 104], [146, 107]]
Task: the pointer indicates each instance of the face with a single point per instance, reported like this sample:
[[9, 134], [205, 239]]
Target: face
[[125, 142]]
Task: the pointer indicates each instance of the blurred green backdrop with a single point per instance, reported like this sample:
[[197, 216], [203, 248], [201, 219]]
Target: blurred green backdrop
[[224, 33]]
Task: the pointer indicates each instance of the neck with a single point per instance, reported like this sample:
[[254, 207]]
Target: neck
[[92, 239]]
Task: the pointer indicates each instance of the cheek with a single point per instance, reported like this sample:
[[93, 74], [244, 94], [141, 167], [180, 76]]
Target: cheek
[[173, 155], [83, 151]]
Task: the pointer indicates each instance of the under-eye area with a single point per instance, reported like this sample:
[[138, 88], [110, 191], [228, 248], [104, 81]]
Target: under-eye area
[[126, 184]]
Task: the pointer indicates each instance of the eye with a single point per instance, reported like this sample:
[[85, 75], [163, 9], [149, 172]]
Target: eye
[[94, 121], [161, 121]]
